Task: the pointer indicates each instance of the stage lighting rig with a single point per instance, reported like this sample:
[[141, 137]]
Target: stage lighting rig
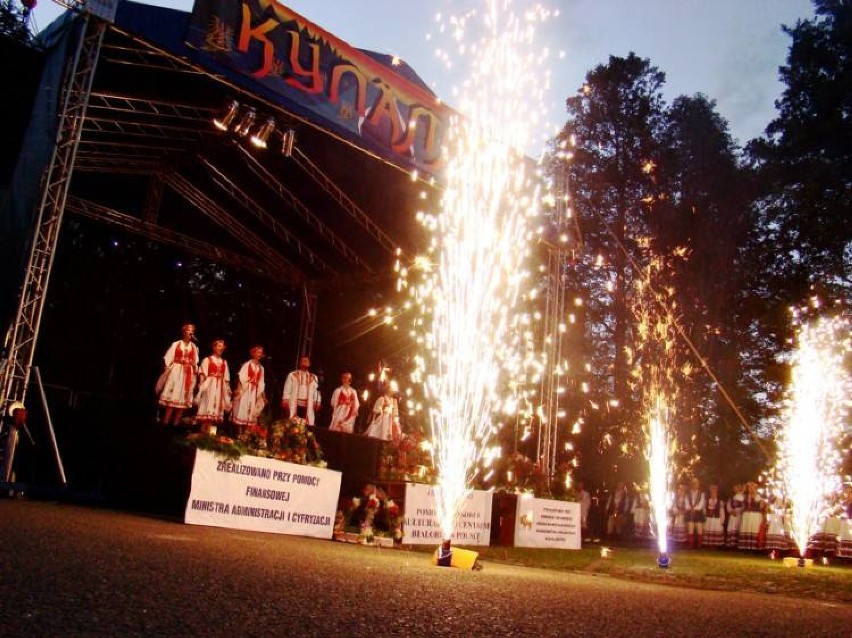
[[288, 138], [259, 139], [244, 127], [240, 119], [224, 123]]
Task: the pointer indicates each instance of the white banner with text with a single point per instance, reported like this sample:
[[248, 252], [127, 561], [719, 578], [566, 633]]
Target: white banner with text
[[421, 518], [262, 495], [545, 523]]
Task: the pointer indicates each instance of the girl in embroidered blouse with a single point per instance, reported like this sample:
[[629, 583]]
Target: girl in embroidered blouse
[[344, 406], [214, 389], [177, 381], [249, 398]]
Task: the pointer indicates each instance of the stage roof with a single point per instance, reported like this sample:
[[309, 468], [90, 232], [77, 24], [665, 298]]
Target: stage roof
[[151, 162]]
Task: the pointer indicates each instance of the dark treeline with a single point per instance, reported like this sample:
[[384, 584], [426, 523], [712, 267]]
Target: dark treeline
[[738, 235]]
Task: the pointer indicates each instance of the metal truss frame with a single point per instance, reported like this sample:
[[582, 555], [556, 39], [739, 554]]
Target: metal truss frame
[[301, 209], [308, 323], [343, 200], [239, 195], [77, 85], [220, 216], [556, 309], [150, 230]]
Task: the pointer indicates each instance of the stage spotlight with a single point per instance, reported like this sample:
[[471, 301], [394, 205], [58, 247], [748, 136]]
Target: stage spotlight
[[263, 133], [224, 123], [287, 140], [242, 129]]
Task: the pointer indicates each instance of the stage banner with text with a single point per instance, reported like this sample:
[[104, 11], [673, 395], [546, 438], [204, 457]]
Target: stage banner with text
[[421, 523], [384, 108], [545, 523], [263, 495]]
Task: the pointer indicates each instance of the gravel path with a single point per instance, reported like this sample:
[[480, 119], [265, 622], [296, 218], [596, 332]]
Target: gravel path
[[75, 571]]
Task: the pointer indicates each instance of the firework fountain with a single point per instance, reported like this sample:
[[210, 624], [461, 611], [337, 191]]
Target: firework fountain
[[481, 237], [656, 372], [657, 453], [809, 461]]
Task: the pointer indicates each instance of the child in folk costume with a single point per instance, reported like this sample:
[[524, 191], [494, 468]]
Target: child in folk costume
[[214, 388], [735, 516], [694, 515], [301, 395], [714, 519], [844, 537], [752, 518], [344, 406], [824, 540], [677, 528], [385, 424], [249, 398], [177, 381], [619, 508], [642, 517], [777, 525]]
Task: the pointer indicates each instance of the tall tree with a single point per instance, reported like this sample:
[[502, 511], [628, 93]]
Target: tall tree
[[805, 162], [802, 243], [615, 119], [703, 214]]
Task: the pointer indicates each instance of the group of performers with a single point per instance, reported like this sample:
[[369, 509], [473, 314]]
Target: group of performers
[[213, 398], [698, 519]]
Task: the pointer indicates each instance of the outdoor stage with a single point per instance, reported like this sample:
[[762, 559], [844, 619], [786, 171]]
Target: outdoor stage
[[312, 219]]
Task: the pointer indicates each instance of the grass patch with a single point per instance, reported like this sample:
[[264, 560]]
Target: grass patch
[[716, 570]]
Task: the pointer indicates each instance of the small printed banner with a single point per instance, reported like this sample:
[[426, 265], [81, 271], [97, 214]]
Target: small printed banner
[[421, 523], [545, 523], [262, 495]]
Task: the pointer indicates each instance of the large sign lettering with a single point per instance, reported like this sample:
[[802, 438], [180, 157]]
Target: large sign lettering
[[314, 73], [422, 527], [262, 495]]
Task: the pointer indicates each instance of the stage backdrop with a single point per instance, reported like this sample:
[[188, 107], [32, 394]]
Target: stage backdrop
[[374, 100], [545, 523], [263, 495], [422, 527]]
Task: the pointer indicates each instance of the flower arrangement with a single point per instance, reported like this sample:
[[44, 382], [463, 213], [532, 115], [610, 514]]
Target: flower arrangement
[[292, 441], [253, 437], [518, 473], [220, 445], [406, 459], [285, 440], [370, 515]]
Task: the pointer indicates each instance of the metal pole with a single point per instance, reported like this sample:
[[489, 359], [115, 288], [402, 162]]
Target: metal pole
[[50, 429], [9, 453]]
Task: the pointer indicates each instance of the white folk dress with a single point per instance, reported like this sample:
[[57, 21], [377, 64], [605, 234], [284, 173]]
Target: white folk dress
[[301, 389], [250, 399], [844, 539], [677, 524], [385, 423], [344, 406], [178, 379], [735, 518], [214, 392], [777, 528], [752, 519], [714, 522]]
